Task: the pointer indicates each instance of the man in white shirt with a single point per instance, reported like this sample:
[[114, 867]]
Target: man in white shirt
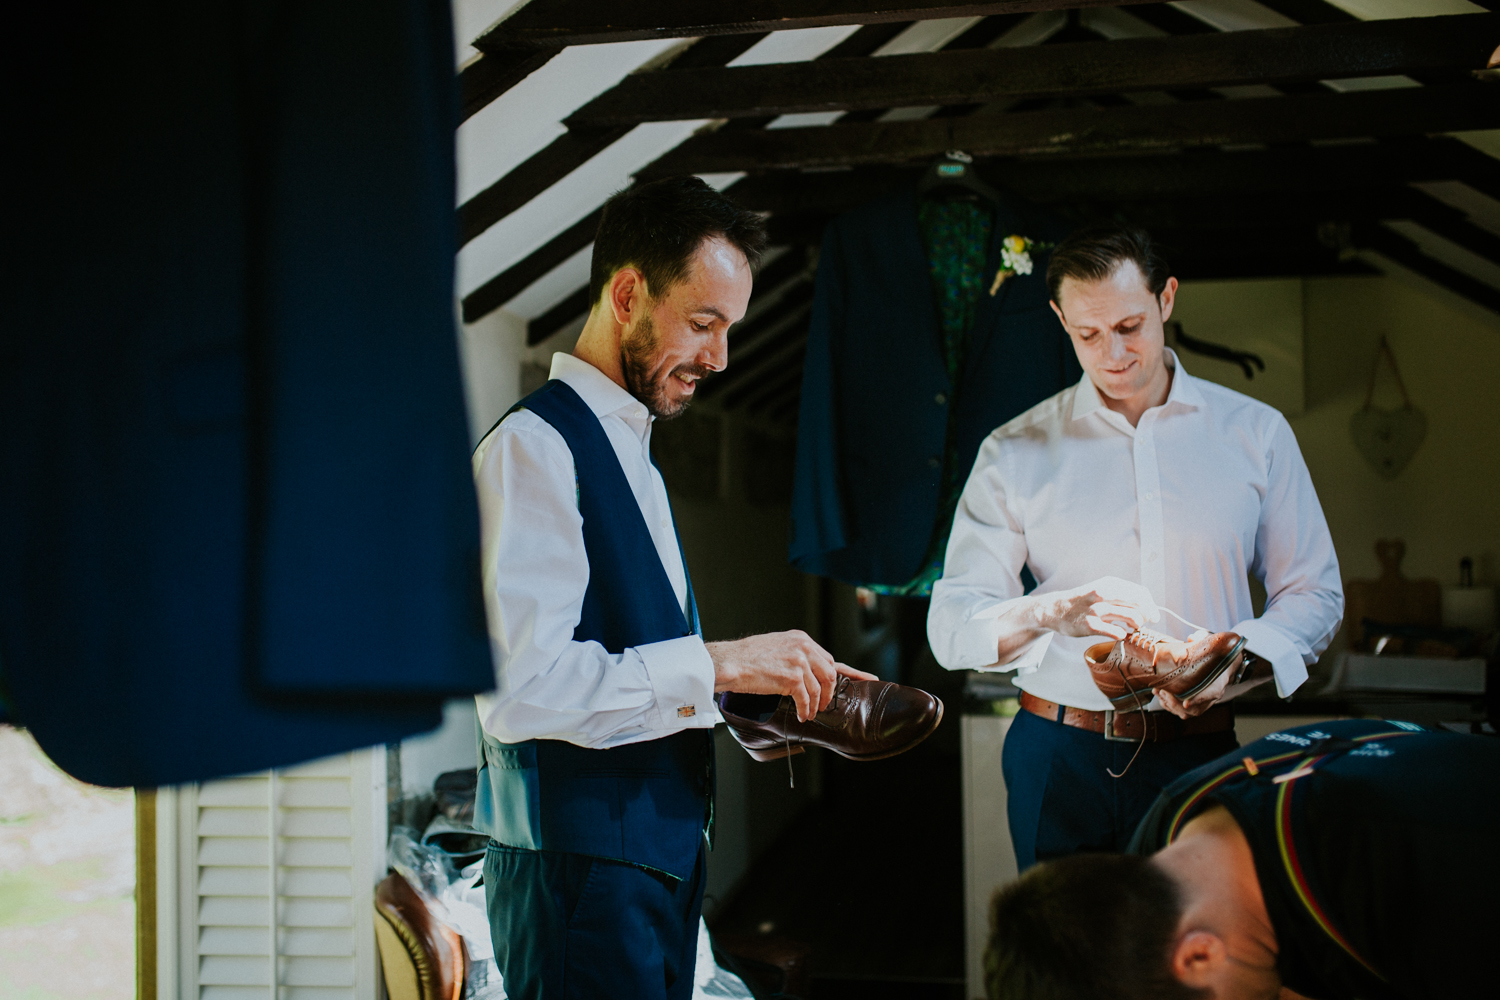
[[1140, 488], [596, 778]]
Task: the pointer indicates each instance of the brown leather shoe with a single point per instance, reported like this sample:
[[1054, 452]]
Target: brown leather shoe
[[866, 720], [1131, 670]]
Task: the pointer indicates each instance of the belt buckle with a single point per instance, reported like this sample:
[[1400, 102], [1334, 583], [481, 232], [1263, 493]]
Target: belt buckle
[[1109, 729]]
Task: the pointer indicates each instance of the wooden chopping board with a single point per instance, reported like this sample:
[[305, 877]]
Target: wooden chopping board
[[1392, 599]]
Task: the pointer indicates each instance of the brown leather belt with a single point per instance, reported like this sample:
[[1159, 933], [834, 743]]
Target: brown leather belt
[[1154, 727]]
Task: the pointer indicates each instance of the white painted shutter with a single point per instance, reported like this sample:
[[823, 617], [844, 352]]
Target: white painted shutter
[[276, 876]]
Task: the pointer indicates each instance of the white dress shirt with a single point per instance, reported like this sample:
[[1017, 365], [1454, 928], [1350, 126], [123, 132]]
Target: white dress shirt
[[535, 572], [1208, 488]]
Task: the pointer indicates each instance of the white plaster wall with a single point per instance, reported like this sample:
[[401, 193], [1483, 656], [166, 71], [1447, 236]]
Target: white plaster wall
[[1443, 503], [452, 746], [490, 352], [1261, 316]]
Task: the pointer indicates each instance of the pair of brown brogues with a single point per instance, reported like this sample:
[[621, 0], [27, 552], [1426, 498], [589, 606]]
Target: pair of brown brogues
[[871, 720], [1131, 670], [866, 720]]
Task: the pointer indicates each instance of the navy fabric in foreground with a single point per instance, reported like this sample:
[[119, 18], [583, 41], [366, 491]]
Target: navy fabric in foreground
[[237, 526]]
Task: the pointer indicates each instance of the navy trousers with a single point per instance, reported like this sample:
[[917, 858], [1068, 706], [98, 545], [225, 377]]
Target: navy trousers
[[1060, 798], [572, 927]]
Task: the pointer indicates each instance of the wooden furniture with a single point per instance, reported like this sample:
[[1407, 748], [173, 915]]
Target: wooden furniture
[[1392, 599], [422, 958]]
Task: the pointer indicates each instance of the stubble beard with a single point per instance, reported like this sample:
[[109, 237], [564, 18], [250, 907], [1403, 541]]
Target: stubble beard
[[638, 359]]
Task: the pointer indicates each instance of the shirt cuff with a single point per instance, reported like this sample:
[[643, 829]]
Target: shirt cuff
[[1268, 642], [681, 675], [978, 641]]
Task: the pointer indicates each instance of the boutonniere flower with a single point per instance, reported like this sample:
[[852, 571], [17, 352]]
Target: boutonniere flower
[[1015, 258]]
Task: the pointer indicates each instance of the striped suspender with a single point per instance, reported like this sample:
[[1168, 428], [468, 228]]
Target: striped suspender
[[1284, 840]]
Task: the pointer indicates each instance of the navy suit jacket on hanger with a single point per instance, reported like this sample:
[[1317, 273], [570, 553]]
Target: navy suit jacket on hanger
[[876, 394]]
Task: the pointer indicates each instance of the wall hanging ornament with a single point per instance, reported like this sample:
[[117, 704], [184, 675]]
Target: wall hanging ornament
[[1387, 438]]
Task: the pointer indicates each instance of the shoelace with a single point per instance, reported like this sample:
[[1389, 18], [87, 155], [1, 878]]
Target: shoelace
[[1147, 638], [838, 694], [1192, 625]]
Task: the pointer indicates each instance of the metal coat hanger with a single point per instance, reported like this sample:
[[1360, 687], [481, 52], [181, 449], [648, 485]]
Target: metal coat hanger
[[1247, 361], [953, 176]]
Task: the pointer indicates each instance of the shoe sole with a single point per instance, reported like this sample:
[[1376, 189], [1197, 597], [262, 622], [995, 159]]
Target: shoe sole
[[1132, 702], [782, 750], [776, 752]]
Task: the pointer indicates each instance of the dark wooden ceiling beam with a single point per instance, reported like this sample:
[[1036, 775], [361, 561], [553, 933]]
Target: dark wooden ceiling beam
[[1102, 180], [1301, 210], [1193, 173], [793, 295], [575, 147], [571, 307], [1408, 254], [766, 336], [1299, 214], [1309, 11], [1280, 55], [1089, 131], [492, 74], [751, 364], [786, 382], [516, 279], [1443, 219], [791, 353], [775, 275], [536, 174], [590, 22]]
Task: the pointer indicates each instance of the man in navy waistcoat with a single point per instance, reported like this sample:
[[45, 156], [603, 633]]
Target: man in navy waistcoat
[[596, 775]]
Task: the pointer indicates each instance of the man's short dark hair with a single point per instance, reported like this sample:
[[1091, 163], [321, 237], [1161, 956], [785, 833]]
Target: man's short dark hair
[[1087, 927], [657, 228], [1095, 253]]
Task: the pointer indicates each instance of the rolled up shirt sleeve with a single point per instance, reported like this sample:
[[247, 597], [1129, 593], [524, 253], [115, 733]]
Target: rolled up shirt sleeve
[[1294, 557], [981, 577], [535, 573]]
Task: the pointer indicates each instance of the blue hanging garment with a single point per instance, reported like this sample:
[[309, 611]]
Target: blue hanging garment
[[237, 525]]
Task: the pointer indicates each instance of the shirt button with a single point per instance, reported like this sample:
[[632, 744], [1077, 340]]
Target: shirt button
[[1151, 557], [940, 399], [933, 463]]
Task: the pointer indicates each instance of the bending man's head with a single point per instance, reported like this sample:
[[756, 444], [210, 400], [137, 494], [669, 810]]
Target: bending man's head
[[1088, 927], [670, 274]]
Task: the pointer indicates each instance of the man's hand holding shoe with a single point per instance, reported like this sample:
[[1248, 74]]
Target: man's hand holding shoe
[[784, 663], [782, 691]]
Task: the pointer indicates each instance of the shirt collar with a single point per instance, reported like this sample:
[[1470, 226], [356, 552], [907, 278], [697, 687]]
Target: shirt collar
[[1185, 390], [602, 394]]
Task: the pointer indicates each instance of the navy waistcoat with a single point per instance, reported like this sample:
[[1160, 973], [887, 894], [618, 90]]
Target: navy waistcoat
[[645, 803]]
